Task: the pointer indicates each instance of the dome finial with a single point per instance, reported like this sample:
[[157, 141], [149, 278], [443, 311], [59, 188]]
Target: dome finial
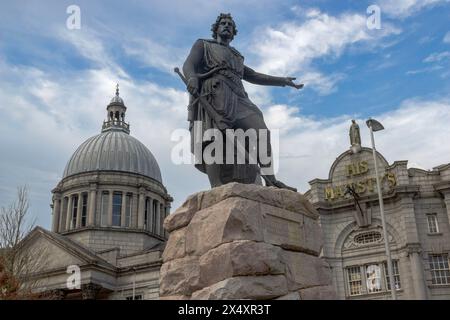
[[117, 89]]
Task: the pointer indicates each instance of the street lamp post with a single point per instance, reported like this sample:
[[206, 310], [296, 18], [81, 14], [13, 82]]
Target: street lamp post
[[374, 125]]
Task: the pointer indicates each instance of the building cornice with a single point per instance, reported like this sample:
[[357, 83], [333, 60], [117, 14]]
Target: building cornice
[[114, 229]]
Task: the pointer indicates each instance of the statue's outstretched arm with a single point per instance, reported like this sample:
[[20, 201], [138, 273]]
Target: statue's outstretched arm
[[252, 76], [191, 66]]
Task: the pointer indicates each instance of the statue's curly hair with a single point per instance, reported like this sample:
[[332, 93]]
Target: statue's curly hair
[[215, 25]]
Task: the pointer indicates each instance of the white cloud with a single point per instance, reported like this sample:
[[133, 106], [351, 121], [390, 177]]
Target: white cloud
[[163, 57], [44, 121], [291, 47], [415, 131], [45, 117], [90, 46], [405, 8], [425, 70], [323, 84], [446, 38], [437, 56]]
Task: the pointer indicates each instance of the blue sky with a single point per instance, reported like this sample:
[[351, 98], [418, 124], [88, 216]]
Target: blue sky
[[55, 83]]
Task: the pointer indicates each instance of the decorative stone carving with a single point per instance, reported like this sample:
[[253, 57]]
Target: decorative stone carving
[[372, 235]]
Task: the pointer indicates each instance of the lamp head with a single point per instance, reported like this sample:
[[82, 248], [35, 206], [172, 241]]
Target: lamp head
[[374, 124]]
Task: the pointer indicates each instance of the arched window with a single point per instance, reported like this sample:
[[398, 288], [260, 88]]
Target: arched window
[[111, 116], [84, 205], [117, 209], [368, 237], [117, 115], [73, 222]]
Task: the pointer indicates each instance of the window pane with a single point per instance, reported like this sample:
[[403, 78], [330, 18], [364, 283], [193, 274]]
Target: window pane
[[396, 275], [354, 280], [74, 211], [368, 237], [373, 276], [117, 209], [432, 223], [439, 267]]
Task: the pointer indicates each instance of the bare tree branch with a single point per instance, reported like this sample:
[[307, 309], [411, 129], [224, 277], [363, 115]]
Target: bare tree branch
[[17, 265]]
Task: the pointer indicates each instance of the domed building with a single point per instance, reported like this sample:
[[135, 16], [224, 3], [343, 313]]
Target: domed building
[[108, 213]]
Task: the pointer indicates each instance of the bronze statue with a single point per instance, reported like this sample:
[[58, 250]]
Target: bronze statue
[[213, 73]]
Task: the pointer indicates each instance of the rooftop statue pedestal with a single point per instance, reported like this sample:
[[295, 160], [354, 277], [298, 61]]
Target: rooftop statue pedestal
[[244, 241]]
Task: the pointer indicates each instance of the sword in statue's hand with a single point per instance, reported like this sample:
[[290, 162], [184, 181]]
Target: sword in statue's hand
[[220, 121]]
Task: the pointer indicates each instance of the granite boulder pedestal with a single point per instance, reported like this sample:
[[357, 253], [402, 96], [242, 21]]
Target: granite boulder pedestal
[[244, 241]]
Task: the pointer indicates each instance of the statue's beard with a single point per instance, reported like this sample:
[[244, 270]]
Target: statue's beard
[[226, 35]]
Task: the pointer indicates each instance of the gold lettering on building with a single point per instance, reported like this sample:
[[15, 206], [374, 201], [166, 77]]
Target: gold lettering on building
[[361, 186], [356, 169]]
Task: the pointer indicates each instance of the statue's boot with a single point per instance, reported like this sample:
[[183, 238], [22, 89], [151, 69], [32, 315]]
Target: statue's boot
[[273, 182]]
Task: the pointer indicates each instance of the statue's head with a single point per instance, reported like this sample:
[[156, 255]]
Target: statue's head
[[224, 26], [353, 121]]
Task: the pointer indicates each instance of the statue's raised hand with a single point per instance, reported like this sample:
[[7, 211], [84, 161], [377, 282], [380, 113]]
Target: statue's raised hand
[[290, 83]]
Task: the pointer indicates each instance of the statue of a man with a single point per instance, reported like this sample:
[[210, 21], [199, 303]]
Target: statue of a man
[[214, 72], [355, 137]]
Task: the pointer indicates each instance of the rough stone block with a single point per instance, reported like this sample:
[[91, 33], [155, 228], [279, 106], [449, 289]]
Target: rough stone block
[[282, 198], [180, 277], [252, 287], [231, 219], [243, 242], [290, 296], [292, 231], [303, 270], [183, 215], [240, 258], [176, 245]]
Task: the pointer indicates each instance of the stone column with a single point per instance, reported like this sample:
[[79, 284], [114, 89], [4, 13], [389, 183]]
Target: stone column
[[166, 234], [447, 204], [92, 204], [135, 211], [79, 210], [123, 209], [161, 219], [62, 219], [141, 208], [150, 221], [68, 214], [110, 207], [420, 290], [56, 212], [157, 217]]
